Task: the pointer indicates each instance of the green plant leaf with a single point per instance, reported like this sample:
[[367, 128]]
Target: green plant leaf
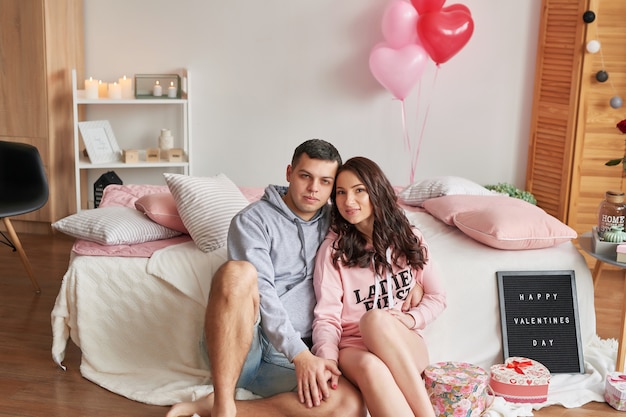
[[614, 162]]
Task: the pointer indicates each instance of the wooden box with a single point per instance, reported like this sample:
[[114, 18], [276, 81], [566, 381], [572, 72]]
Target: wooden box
[[153, 155], [130, 156], [176, 155]]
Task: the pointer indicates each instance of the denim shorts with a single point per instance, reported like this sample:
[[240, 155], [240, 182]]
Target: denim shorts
[[266, 371]]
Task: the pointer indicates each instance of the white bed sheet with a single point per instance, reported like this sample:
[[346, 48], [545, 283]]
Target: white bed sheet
[[139, 322]]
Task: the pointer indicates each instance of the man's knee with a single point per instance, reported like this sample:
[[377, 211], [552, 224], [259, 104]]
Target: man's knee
[[235, 278], [350, 402]]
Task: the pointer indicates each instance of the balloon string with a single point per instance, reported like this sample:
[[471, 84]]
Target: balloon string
[[421, 135], [407, 141]]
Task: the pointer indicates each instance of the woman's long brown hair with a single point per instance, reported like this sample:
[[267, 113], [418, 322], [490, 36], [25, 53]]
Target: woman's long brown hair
[[391, 226]]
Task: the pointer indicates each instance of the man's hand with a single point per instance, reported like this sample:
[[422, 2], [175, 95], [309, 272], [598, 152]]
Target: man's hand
[[314, 376], [405, 318], [414, 297]]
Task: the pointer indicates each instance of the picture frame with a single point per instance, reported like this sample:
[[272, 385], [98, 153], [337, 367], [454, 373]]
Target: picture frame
[[100, 141], [539, 318]]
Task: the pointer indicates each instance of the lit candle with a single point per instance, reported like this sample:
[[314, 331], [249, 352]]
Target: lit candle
[[127, 87], [115, 91], [102, 89], [157, 90], [172, 91], [91, 88]]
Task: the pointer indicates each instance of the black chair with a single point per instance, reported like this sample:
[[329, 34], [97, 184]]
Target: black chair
[[23, 189]]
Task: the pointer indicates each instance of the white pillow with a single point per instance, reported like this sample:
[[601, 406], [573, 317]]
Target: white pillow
[[206, 206], [420, 191], [113, 226]]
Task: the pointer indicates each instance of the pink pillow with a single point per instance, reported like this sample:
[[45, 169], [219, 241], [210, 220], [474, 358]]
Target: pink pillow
[[501, 222], [161, 208], [115, 195]]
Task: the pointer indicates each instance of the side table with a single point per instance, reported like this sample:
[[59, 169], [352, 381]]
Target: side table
[[584, 241]]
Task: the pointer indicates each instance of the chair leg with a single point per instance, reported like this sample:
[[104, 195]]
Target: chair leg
[[20, 250]]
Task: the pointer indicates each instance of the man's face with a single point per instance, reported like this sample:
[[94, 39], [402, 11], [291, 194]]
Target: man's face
[[310, 185]]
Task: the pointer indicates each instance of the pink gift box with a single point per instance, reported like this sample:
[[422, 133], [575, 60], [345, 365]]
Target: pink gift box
[[457, 389], [615, 390], [520, 380]]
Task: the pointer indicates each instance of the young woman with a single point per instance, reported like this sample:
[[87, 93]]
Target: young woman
[[365, 268]]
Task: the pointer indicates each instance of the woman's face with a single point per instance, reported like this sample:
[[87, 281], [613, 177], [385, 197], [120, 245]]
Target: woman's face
[[353, 202]]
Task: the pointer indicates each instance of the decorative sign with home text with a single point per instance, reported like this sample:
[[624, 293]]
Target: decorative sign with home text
[[539, 318]]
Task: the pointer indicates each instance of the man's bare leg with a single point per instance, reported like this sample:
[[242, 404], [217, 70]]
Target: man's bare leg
[[232, 309], [345, 401], [231, 312]]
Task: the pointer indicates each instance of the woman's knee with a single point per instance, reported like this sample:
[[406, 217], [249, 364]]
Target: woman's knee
[[375, 321]]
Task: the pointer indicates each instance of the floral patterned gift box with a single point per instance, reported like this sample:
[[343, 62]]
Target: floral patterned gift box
[[615, 390], [520, 380], [457, 389]]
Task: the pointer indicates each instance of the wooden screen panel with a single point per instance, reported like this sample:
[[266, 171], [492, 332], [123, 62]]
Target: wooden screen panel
[[555, 104]]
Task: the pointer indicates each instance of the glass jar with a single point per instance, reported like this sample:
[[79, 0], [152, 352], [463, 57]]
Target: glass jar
[[611, 213]]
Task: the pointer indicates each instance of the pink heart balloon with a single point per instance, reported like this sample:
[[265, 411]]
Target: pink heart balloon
[[398, 70], [398, 25], [427, 6], [444, 34]]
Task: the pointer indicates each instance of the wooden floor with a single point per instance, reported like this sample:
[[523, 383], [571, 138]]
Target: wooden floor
[[32, 385]]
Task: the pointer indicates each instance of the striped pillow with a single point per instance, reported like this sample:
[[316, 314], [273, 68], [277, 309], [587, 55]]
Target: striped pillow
[[113, 226], [206, 206], [420, 191]]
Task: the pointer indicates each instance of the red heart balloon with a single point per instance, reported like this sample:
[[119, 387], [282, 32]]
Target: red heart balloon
[[457, 6], [427, 6], [444, 34]]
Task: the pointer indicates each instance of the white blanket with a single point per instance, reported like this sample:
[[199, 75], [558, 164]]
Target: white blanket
[[140, 335]]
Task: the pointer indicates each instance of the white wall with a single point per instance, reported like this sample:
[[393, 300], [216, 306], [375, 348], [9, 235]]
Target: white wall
[[267, 75]]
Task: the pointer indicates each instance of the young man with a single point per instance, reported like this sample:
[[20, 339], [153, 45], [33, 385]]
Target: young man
[[260, 308]]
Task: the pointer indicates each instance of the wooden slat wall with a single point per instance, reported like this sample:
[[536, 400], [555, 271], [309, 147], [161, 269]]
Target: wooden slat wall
[[573, 129], [597, 138]]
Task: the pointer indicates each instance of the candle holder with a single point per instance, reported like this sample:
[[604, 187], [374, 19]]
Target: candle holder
[[144, 84]]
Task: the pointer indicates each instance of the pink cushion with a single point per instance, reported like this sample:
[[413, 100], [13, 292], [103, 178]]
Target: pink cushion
[[116, 195], [501, 222], [161, 208]]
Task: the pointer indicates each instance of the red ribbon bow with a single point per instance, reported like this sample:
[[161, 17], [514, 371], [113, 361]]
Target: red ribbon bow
[[517, 366], [619, 378]]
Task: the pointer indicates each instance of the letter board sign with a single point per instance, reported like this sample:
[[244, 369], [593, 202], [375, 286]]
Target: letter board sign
[[539, 318]]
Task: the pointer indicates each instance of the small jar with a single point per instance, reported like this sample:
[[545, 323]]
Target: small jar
[[611, 213]]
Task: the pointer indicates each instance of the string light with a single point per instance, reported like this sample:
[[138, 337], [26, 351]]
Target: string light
[[594, 46]]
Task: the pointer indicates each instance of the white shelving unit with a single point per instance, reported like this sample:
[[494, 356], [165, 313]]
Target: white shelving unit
[[82, 162]]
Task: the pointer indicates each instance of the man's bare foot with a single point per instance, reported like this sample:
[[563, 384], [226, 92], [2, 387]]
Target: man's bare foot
[[201, 407]]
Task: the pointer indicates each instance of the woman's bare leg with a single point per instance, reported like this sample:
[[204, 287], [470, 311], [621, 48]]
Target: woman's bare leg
[[403, 352]]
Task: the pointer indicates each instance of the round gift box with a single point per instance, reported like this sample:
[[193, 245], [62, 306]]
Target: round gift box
[[457, 388]]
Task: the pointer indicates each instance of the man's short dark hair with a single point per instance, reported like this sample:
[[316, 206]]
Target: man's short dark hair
[[316, 149]]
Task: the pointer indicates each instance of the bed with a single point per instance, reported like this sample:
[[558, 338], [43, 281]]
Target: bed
[[136, 310]]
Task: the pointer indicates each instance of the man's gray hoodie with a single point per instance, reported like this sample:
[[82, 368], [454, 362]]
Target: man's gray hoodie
[[282, 247]]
